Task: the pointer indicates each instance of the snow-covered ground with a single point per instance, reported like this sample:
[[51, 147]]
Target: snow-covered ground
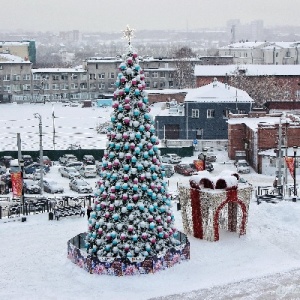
[[263, 264]]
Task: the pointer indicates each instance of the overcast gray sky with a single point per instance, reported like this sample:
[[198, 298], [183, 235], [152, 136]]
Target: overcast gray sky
[[114, 15]]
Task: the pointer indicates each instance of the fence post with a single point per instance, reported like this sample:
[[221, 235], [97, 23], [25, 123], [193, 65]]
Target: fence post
[[0, 212]]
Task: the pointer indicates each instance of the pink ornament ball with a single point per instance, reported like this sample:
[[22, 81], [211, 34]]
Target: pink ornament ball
[[123, 236], [112, 196], [125, 197], [134, 82], [100, 231], [126, 120], [130, 228], [144, 235], [115, 104], [130, 61], [127, 106], [134, 55], [153, 240], [135, 197], [127, 100], [106, 215]]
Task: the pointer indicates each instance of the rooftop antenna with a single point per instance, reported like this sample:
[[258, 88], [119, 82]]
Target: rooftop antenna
[[236, 100]]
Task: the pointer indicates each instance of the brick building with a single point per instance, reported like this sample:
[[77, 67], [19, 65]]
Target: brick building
[[258, 131], [285, 79]]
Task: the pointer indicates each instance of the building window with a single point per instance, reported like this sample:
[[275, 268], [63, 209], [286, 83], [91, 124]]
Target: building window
[[226, 113], [26, 77], [6, 88], [147, 84], [46, 86], [101, 86], [171, 84], [16, 87], [162, 74], [162, 85], [64, 86], [64, 76], [92, 76], [16, 77], [241, 111], [83, 85], [154, 74], [154, 84], [93, 86], [195, 113], [101, 75], [26, 87], [54, 77], [146, 74], [298, 94], [74, 76], [74, 86], [112, 75], [210, 113], [6, 77], [55, 86]]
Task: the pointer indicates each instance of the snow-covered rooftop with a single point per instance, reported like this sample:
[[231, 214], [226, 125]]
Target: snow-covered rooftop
[[245, 45], [9, 58], [217, 92], [250, 70], [59, 70]]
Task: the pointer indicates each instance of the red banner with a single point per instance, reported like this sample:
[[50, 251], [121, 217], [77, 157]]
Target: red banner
[[17, 184], [290, 164], [199, 165]]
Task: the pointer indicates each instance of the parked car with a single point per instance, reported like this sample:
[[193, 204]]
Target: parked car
[[75, 164], [69, 172], [31, 187], [169, 170], [208, 156], [32, 168], [2, 168], [88, 171], [184, 169], [80, 186], [242, 166], [52, 187], [46, 160], [6, 160], [14, 166], [67, 158], [27, 159], [208, 166], [171, 158], [88, 159], [36, 175]]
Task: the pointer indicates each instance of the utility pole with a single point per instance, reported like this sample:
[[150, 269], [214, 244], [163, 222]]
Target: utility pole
[[279, 181], [38, 116]]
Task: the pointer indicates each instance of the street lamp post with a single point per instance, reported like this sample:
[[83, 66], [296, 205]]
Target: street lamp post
[[21, 163], [38, 116], [295, 155], [204, 158]]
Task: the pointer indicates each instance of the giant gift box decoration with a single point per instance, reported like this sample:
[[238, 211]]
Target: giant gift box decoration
[[213, 202]]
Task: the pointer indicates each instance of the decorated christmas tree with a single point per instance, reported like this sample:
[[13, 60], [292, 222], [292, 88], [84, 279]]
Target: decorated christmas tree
[[132, 215]]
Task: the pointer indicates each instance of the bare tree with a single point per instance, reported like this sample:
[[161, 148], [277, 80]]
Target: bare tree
[[262, 88], [184, 75]]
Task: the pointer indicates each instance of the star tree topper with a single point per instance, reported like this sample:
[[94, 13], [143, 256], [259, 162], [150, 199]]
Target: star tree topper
[[128, 34]]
